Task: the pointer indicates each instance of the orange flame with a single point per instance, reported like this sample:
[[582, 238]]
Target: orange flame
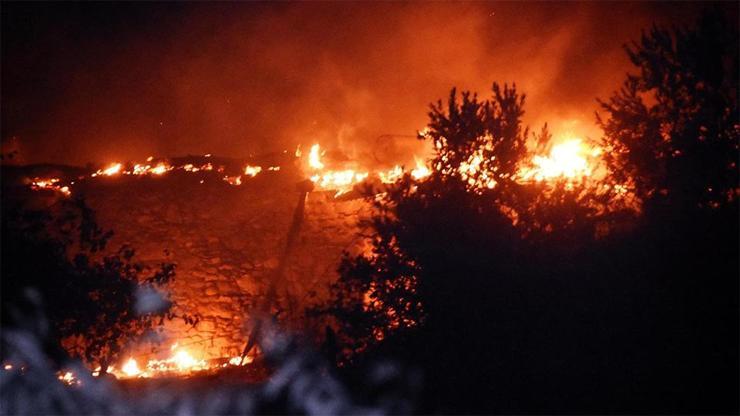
[[567, 160], [131, 368], [252, 170], [112, 169], [314, 157], [421, 171]]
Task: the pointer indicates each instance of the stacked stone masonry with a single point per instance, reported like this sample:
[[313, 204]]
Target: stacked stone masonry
[[226, 242]]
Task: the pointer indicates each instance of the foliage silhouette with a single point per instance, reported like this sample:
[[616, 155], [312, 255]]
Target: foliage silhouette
[[58, 254], [511, 299]]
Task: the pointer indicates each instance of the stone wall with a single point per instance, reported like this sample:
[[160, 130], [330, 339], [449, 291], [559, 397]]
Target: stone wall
[[226, 241]]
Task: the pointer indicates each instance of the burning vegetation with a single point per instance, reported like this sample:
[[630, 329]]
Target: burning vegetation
[[517, 268]]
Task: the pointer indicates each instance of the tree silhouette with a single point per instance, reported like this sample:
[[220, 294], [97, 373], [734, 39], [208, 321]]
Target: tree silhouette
[[55, 257], [673, 127], [510, 296]]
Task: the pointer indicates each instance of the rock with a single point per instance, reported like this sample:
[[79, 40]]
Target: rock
[[172, 214], [143, 219], [224, 287], [212, 271], [271, 263], [212, 278], [245, 283], [206, 326]]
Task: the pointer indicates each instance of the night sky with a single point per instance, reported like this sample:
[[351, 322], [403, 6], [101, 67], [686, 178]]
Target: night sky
[[94, 82]]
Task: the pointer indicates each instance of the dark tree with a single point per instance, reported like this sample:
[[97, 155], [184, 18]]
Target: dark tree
[[510, 298], [673, 127], [56, 256]]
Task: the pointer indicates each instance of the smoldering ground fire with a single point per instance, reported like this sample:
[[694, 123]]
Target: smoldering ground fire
[[261, 180], [214, 345]]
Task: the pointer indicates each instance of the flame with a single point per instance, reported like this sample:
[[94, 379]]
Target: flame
[[131, 368], [180, 362], [51, 184], [343, 180], [392, 175], [112, 169], [68, 378], [567, 160], [237, 361], [183, 360], [160, 169], [314, 157], [571, 159], [252, 170], [189, 167], [421, 171], [474, 175], [339, 179]]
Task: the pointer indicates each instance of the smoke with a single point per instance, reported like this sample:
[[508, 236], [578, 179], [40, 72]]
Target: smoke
[[96, 82]]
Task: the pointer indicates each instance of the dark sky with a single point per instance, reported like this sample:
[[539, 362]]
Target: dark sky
[[95, 82]]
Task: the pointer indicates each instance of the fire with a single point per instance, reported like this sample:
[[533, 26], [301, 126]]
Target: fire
[[392, 175], [253, 170], [160, 169], [189, 167], [567, 160], [238, 360], [343, 180], [184, 361], [314, 157], [338, 180], [180, 362], [140, 169], [112, 169], [421, 171], [68, 378], [474, 175], [571, 160], [146, 169], [233, 180], [131, 368], [51, 184]]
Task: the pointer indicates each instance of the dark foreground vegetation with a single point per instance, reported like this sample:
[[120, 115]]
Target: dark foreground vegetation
[[538, 298], [581, 304]]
